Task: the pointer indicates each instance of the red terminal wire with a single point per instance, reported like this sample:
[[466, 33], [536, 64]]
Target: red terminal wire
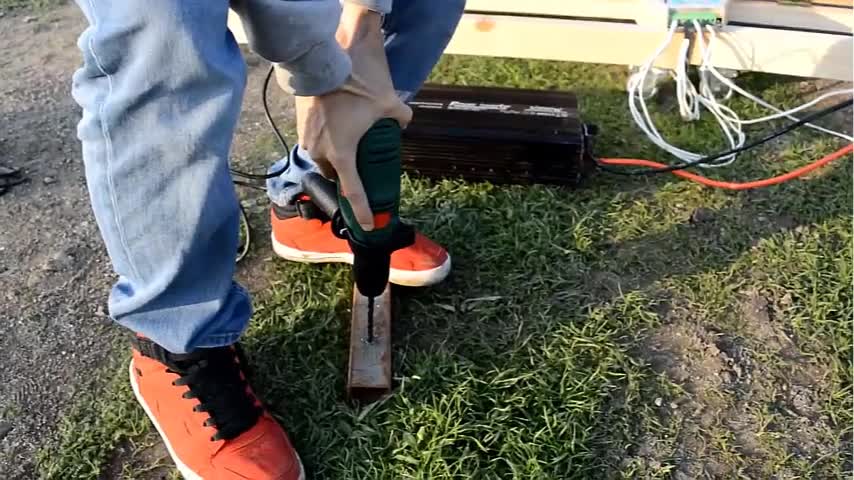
[[731, 185]]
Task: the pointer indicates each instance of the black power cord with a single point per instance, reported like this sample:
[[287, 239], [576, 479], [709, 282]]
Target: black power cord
[[717, 158], [251, 185], [244, 218], [243, 249], [282, 142]]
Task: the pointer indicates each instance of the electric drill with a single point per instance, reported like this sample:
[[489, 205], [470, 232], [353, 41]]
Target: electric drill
[[379, 167]]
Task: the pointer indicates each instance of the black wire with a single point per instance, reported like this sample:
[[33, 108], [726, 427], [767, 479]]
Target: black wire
[[249, 185], [255, 176], [718, 157], [272, 123], [251, 176], [248, 240]]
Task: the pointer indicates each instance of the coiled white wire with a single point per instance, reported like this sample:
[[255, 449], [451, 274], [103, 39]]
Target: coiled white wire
[[707, 65], [689, 104], [690, 99]]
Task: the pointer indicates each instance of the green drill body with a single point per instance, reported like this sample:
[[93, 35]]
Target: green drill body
[[379, 166]]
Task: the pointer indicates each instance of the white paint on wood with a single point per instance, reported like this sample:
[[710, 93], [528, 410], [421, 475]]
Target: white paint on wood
[[651, 12], [741, 48], [617, 9], [788, 52], [830, 19]]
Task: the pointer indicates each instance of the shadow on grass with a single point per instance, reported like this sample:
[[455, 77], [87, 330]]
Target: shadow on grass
[[507, 370], [521, 364]]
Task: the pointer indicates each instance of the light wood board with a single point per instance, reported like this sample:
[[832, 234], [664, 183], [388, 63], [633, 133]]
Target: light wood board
[[807, 41], [804, 54]]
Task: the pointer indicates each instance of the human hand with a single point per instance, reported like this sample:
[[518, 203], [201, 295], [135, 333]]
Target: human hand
[[330, 126]]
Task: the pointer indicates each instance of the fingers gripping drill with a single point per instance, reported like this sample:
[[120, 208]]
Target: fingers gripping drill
[[379, 167]]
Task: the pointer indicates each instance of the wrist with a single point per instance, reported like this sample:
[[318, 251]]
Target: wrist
[[357, 22]]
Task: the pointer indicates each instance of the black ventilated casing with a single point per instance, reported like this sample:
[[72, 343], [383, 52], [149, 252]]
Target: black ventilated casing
[[499, 135]]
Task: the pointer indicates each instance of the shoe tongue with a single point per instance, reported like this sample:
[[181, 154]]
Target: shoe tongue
[[182, 362]]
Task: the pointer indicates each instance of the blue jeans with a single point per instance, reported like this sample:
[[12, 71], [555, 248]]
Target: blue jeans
[[417, 32], [161, 88]]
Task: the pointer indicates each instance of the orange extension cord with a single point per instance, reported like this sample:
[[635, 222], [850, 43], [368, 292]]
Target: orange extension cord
[[730, 185]]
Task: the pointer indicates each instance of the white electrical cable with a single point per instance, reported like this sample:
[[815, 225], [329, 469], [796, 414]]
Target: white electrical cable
[[780, 113], [690, 99], [636, 85], [689, 104], [727, 119], [789, 113], [636, 99], [686, 94], [637, 104]]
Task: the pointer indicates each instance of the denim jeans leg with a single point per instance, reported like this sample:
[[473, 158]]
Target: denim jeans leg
[[160, 87], [417, 33]]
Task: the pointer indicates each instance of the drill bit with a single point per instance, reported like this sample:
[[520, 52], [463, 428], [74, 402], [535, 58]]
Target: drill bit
[[370, 319]]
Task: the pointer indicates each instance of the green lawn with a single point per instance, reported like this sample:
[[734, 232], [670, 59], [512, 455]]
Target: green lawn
[[591, 333]]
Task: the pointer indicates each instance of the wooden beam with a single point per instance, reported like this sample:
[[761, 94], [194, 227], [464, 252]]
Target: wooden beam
[[788, 52], [772, 14], [646, 12], [834, 3], [741, 48], [611, 9]]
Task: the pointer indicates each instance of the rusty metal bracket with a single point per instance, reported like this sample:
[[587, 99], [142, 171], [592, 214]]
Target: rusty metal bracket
[[369, 371]]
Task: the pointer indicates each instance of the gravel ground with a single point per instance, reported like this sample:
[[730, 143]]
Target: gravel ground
[[54, 278], [54, 273]]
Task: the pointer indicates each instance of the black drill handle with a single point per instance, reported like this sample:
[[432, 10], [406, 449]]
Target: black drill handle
[[323, 192]]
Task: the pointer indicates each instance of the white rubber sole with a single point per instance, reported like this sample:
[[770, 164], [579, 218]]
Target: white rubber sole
[[186, 472], [406, 278]]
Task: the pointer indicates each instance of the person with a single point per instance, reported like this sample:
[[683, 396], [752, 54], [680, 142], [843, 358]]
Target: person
[[160, 89]]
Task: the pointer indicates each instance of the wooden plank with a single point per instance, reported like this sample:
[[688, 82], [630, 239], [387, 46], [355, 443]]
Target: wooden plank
[[552, 39], [625, 9], [829, 19], [742, 48], [834, 3], [644, 12], [610, 9], [804, 54]]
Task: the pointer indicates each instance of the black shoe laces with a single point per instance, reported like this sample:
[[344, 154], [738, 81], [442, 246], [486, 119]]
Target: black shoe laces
[[217, 378]]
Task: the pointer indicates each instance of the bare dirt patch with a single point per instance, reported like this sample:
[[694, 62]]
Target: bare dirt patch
[[145, 459], [749, 397], [54, 276]]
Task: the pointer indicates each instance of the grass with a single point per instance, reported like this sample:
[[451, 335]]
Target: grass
[[537, 358], [100, 421]]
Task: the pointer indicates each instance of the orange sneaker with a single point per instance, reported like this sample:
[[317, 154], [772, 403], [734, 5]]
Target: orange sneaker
[[212, 424], [302, 234]]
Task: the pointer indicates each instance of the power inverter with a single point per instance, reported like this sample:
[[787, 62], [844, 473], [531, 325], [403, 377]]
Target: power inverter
[[500, 135]]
